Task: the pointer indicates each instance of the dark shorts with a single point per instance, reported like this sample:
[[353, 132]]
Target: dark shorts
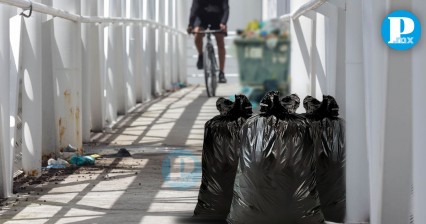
[[211, 19]]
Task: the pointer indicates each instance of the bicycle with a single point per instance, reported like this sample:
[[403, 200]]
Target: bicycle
[[210, 64]]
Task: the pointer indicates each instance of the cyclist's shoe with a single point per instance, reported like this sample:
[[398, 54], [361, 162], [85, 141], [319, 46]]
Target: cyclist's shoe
[[200, 61], [222, 78]]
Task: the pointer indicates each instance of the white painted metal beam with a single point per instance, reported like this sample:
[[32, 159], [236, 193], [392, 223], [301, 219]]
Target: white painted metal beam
[[397, 159], [375, 74], [136, 40], [6, 155], [90, 66], [159, 50], [31, 70], [313, 58], [117, 57], [312, 5], [67, 81], [304, 10], [38, 7], [182, 41], [357, 167], [419, 119]]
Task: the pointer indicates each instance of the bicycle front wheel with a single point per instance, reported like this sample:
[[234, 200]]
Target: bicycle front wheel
[[213, 72], [207, 64]]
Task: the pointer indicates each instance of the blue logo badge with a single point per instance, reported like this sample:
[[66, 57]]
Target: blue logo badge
[[401, 30], [181, 169]]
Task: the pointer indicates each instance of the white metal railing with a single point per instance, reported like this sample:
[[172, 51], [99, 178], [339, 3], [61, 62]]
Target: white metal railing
[[41, 8], [315, 64], [312, 5], [100, 66]]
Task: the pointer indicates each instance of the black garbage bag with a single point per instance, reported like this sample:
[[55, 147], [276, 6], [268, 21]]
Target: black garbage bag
[[291, 103], [311, 104], [220, 158], [328, 131], [275, 181]]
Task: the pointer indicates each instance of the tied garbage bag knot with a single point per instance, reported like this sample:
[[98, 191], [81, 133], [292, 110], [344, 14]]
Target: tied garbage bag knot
[[291, 103], [223, 106], [270, 105], [310, 104], [316, 110]]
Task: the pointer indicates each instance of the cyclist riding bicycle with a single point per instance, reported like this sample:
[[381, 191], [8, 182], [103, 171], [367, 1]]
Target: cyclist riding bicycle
[[214, 13]]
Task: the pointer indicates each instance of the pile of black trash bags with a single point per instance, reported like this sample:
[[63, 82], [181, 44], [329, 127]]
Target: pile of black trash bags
[[275, 167]]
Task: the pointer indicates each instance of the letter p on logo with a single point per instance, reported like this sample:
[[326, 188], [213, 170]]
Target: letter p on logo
[[395, 28]]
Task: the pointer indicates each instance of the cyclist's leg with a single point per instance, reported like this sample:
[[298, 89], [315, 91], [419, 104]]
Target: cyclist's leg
[[199, 41], [199, 45], [220, 40]]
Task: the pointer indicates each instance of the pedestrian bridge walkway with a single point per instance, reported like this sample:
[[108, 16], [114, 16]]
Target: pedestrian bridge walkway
[[175, 120], [127, 189]]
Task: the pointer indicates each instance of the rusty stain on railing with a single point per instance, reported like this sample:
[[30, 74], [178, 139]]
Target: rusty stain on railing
[[32, 173], [61, 131]]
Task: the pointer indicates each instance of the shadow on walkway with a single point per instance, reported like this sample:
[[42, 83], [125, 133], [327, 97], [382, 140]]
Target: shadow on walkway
[[176, 120]]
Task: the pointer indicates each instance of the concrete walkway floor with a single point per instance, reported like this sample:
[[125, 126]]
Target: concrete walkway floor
[[157, 185]]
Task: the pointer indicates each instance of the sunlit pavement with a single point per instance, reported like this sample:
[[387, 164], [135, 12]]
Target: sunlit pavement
[[145, 188]]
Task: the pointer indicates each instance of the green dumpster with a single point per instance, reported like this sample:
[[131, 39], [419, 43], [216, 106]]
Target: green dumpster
[[263, 68]]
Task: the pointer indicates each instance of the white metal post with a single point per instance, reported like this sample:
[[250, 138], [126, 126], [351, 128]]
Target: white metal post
[[153, 48], [419, 119], [159, 48], [301, 39], [15, 131], [67, 76], [117, 69], [99, 91], [90, 65], [32, 96], [357, 187], [163, 47], [375, 75], [341, 61], [110, 81], [136, 37], [167, 14], [182, 23], [397, 160], [313, 58], [6, 155], [49, 144], [132, 50], [96, 67], [173, 54], [331, 34], [148, 82], [129, 58]]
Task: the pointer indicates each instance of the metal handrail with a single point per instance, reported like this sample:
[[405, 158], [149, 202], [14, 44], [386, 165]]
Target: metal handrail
[[303, 9], [41, 8]]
